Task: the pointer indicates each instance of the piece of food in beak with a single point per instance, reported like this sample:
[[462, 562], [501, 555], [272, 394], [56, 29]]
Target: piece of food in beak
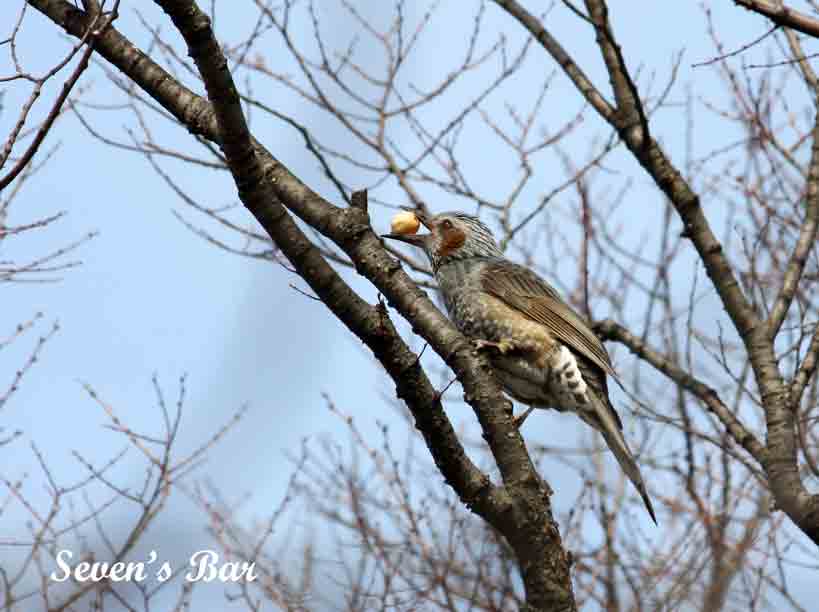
[[405, 222]]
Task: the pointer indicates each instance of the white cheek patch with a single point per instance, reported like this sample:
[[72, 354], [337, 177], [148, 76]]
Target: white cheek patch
[[567, 375]]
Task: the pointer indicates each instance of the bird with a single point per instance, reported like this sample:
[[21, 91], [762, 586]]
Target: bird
[[544, 354]]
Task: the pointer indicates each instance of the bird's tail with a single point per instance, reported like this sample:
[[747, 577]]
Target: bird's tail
[[602, 419]]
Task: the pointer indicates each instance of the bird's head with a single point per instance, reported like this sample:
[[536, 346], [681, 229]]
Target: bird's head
[[452, 236]]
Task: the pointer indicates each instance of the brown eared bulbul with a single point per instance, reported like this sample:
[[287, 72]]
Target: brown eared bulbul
[[543, 352]]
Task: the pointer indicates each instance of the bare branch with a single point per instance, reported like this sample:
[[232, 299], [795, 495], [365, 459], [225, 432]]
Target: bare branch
[[611, 330]]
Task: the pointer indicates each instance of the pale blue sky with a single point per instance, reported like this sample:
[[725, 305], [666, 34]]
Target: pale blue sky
[[151, 297]]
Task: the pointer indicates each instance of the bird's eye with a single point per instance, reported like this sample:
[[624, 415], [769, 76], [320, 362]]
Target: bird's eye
[[446, 224]]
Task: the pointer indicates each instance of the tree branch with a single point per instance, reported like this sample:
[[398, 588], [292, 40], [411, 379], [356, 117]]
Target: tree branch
[[370, 323], [807, 233], [611, 330], [783, 16], [556, 50], [23, 161], [780, 460], [649, 154], [263, 183], [806, 370]]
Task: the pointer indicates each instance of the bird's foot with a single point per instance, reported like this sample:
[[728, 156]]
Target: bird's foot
[[503, 347], [520, 419]]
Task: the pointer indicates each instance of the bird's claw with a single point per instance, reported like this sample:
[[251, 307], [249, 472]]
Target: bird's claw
[[503, 347], [520, 419]]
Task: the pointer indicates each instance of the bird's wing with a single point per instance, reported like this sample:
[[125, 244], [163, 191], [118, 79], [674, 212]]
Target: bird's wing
[[521, 289]]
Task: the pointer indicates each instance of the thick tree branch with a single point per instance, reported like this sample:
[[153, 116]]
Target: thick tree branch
[[780, 458], [263, 182], [369, 323], [651, 157], [556, 50], [630, 119], [783, 16]]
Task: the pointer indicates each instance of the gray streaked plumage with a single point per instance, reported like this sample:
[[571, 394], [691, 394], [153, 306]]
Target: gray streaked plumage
[[544, 353]]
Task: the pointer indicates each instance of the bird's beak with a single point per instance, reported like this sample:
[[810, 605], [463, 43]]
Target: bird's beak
[[416, 240], [422, 217]]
